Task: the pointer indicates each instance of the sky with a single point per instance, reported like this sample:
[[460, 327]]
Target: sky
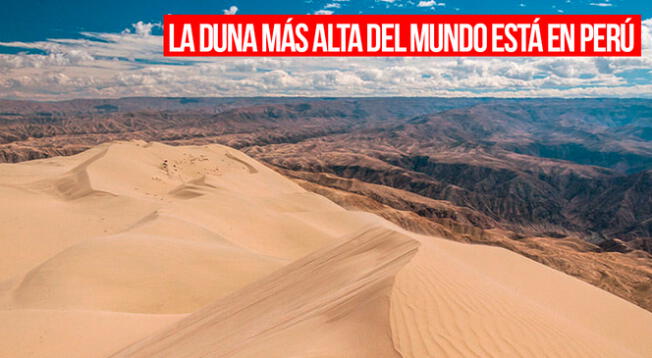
[[51, 50]]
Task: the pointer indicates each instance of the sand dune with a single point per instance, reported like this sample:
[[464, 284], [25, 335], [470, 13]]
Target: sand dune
[[73, 334], [322, 305], [137, 249], [460, 300]]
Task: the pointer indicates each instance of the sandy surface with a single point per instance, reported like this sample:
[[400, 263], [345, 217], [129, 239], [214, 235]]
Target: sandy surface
[[141, 250]]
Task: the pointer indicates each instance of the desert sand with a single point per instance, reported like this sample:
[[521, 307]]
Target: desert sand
[[135, 249]]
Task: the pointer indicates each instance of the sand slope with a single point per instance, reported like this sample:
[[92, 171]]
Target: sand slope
[[73, 334], [460, 300], [139, 234], [322, 305], [141, 249]]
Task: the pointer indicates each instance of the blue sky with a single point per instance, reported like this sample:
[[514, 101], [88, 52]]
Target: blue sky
[[68, 49], [37, 20]]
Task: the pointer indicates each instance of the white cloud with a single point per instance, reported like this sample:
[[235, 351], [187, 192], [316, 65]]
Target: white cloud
[[232, 10], [601, 4], [430, 3], [332, 6], [142, 28], [323, 12], [130, 64]]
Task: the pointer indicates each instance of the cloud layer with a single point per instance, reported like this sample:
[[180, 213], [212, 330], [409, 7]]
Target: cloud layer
[[130, 64]]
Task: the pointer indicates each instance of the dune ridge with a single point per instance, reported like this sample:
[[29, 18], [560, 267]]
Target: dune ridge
[[310, 308], [141, 249]]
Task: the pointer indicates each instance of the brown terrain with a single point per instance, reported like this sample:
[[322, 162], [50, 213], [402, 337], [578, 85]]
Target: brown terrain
[[567, 183]]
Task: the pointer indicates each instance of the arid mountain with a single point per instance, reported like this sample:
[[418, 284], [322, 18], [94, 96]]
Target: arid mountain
[[538, 176]]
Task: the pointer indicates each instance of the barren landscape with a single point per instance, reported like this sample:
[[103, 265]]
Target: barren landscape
[[326, 179], [567, 183], [140, 249]]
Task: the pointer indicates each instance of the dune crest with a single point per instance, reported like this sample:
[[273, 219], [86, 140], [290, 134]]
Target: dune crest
[[322, 305]]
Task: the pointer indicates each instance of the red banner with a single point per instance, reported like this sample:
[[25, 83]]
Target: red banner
[[402, 35]]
